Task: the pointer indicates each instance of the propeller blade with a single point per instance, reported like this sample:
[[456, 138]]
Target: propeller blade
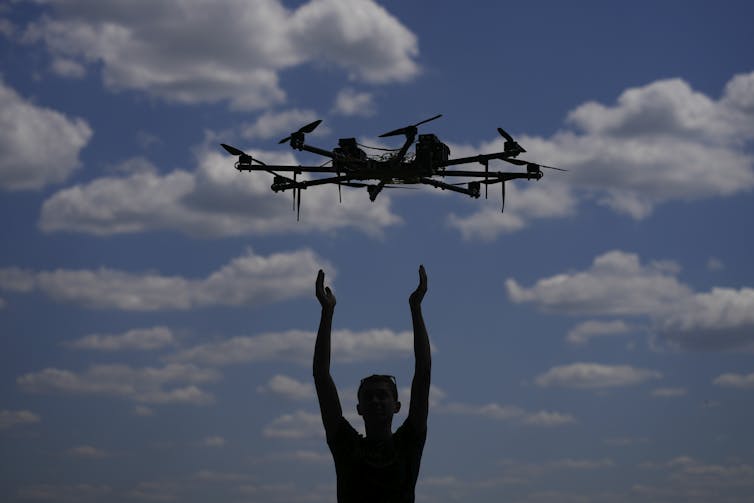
[[502, 189], [303, 129], [407, 129], [310, 127], [504, 134], [551, 167], [427, 120], [394, 132], [232, 150]]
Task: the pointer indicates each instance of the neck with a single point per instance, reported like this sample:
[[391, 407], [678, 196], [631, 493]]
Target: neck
[[381, 430]]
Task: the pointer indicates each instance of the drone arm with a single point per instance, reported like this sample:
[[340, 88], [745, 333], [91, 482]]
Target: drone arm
[[318, 151], [481, 158], [495, 176], [447, 186], [287, 185]]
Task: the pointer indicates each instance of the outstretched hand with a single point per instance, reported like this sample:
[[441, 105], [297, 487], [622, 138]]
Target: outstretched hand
[[417, 295], [324, 294]]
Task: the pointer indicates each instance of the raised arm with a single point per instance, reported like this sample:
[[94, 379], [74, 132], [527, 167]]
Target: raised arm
[[327, 393], [419, 407]]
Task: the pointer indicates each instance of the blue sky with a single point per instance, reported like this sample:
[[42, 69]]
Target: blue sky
[[157, 310]]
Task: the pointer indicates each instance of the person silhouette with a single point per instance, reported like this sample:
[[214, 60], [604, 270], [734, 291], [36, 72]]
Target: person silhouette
[[381, 467]]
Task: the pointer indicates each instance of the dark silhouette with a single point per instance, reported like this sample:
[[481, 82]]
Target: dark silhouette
[[349, 165], [383, 466]]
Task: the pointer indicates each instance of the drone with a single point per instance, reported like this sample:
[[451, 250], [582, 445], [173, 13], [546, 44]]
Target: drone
[[350, 166]]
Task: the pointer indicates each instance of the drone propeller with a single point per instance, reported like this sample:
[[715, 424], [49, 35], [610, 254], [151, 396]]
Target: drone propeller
[[511, 146], [504, 134], [232, 150], [408, 129], [521, 162], [305, 129]]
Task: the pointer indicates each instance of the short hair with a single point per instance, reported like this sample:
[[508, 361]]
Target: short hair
[[374, 378]]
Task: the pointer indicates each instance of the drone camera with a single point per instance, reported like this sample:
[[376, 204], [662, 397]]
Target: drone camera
[[474, 188]]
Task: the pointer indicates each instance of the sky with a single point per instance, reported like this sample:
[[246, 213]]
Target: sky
[[593, 343]]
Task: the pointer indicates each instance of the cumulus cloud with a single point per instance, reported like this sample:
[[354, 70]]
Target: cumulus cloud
[[214, 200], [173, 383], [246, 280], [234, 51], [297, 345], [299, 424], [140, 338], [660, 142], [9, 418], [288, 387], [40, 146], [581, 333], [740, 381], [617, 283], [353, 103], [595, 376], [500, 412], [274, 124]]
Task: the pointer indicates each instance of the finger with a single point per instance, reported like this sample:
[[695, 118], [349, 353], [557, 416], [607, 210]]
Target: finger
[[328, 291], [319, 285]]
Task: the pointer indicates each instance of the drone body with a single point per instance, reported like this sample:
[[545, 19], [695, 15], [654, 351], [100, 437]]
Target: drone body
[[350, 166]]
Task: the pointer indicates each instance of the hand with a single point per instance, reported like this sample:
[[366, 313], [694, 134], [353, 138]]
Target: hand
[[417, 295], [324, 294]]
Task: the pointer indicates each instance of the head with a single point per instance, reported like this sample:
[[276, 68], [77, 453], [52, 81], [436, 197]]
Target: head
[[378, 396]]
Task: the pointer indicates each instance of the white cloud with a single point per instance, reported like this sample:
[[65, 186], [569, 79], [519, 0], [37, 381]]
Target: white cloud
[[300, 424], [617, 283], [213, 201], [660, 142], [353, 103], [65, 492], [288, 387], [193, 52], [595, 376], [720, 319], [246, 280], [9, 418], [508, 413], [549, 419], [274, 124], [40, 146], [669, 392], [740, 381], [140, 338], [581, 333], [715, 264], [213, 441], [173, 383], [68, 68], [298, 345]]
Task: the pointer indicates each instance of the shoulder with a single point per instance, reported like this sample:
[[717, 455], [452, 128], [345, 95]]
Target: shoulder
[[408, 433], [343, 434]]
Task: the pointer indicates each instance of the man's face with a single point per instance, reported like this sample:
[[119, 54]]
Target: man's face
[[376, 400]]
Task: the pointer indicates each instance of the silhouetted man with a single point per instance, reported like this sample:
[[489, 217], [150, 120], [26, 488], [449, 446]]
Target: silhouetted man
[[383, 466]]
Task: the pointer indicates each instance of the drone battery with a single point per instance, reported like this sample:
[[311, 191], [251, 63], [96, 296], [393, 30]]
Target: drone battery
[[429, 151]]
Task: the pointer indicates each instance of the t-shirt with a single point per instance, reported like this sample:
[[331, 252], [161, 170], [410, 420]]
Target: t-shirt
[[376, 472]]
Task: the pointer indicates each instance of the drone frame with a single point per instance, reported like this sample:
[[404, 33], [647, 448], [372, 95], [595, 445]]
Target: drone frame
[[352, 168]]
